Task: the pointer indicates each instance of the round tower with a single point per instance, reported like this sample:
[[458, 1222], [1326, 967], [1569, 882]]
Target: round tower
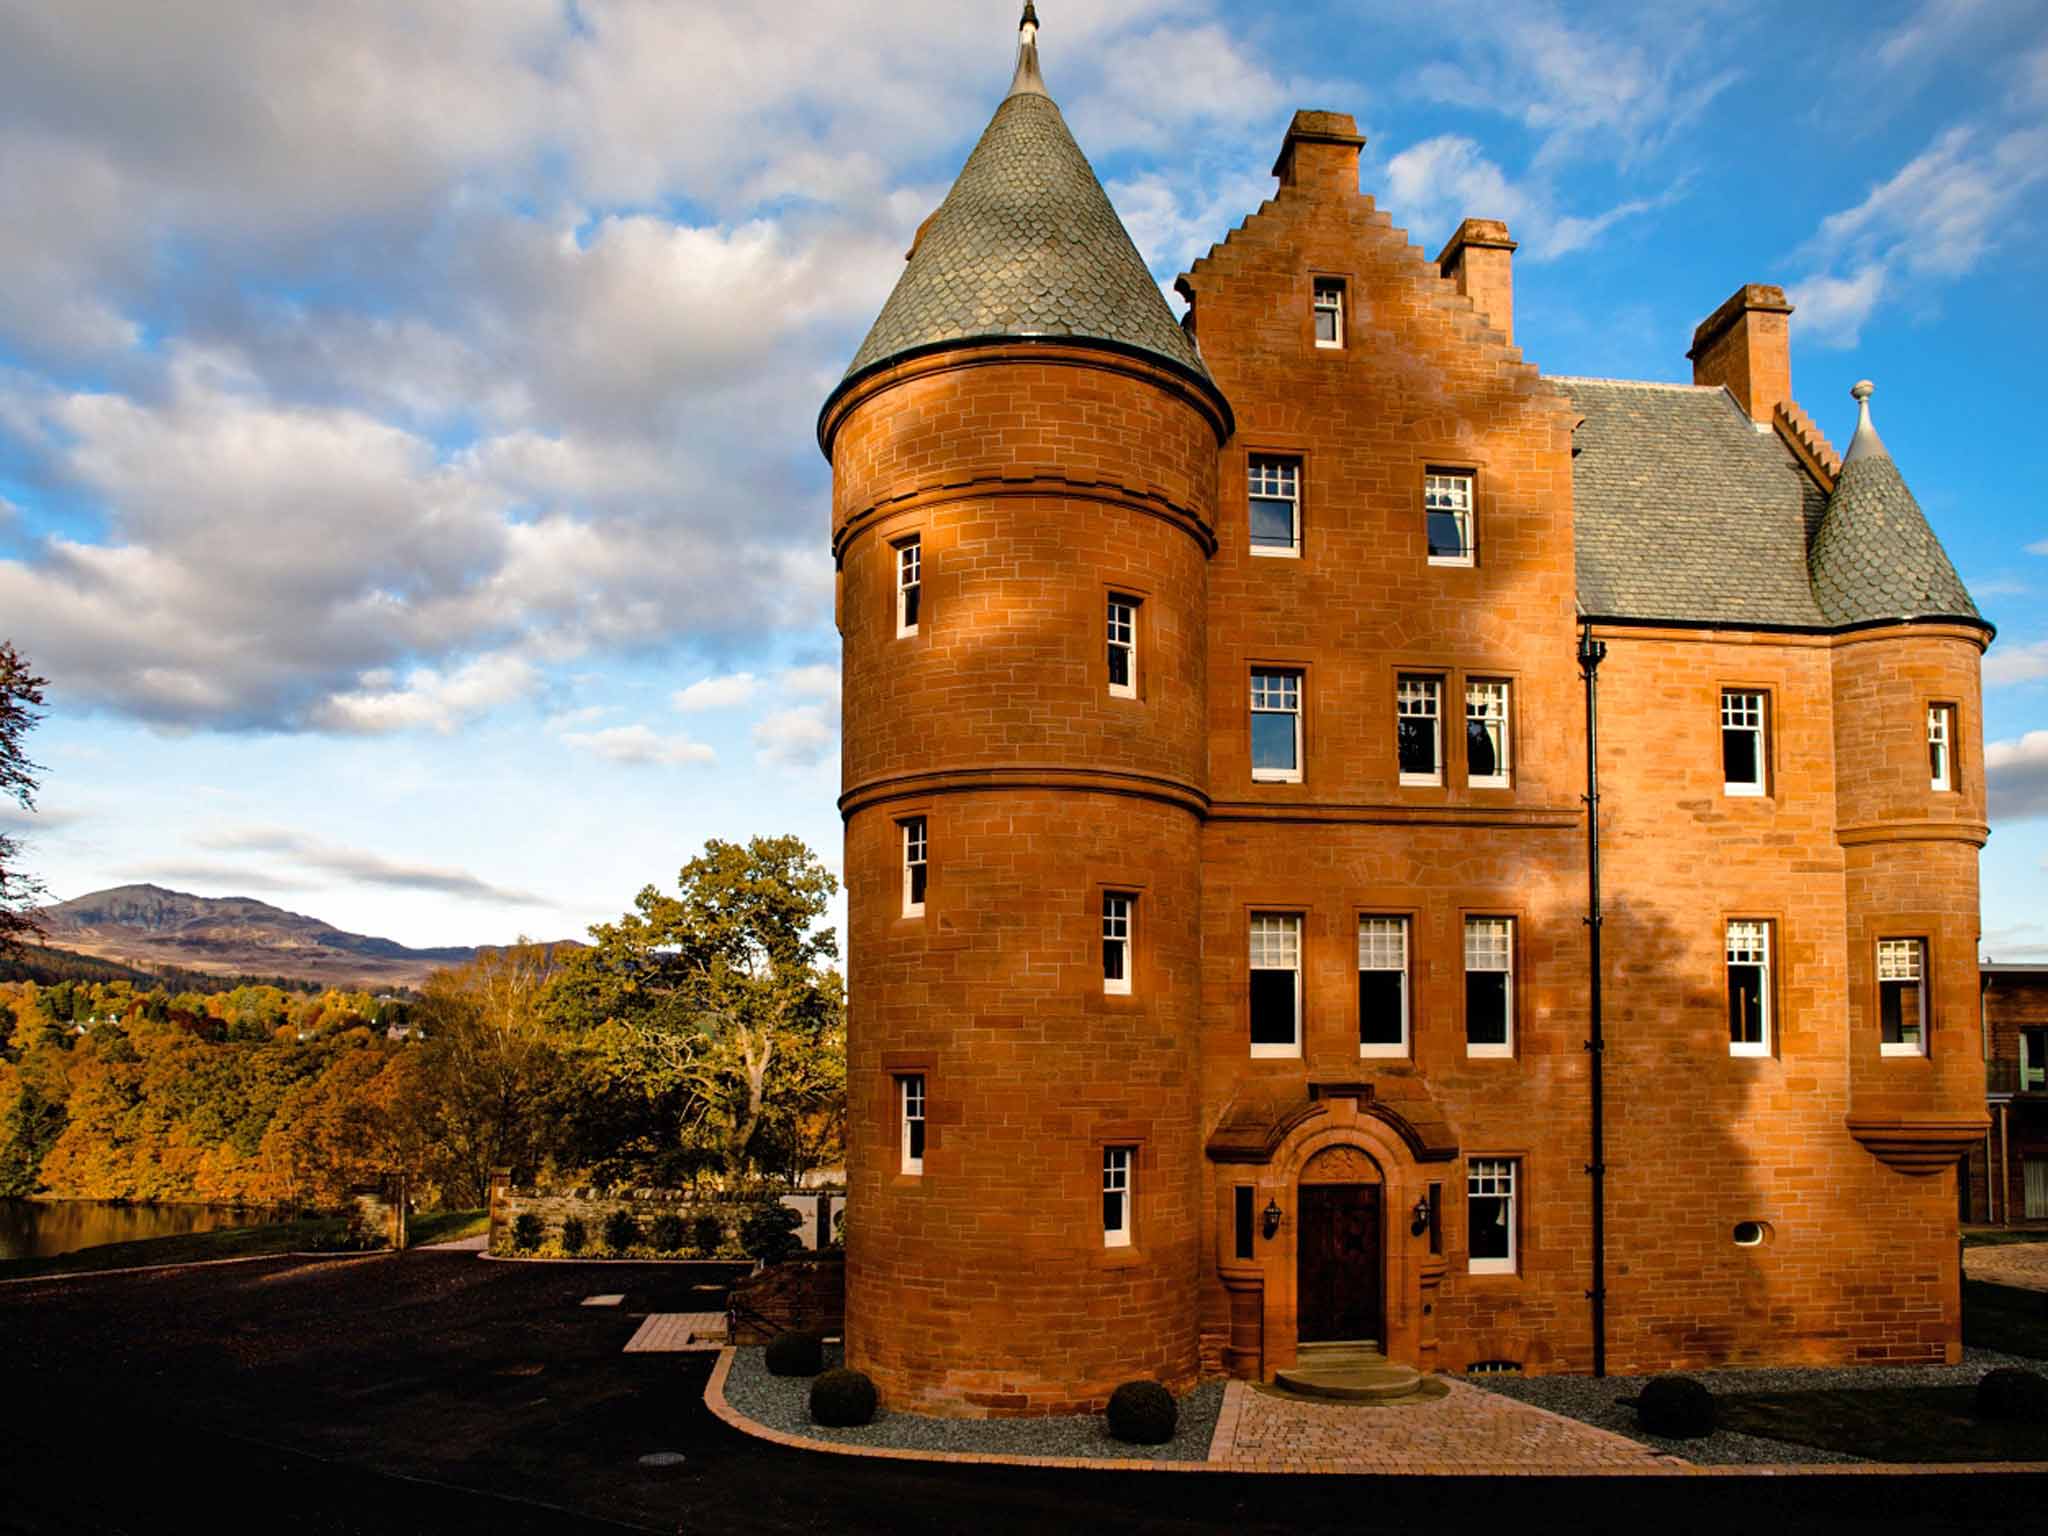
[[1910, 813], [1024, 459]]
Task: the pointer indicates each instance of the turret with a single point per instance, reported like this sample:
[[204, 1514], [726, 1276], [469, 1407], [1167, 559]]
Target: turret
[[1024, 460]]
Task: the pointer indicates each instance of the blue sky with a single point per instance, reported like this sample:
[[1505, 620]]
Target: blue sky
[[407, 478]]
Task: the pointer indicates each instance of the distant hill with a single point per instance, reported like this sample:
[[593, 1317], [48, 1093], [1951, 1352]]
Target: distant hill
[[148, 928]]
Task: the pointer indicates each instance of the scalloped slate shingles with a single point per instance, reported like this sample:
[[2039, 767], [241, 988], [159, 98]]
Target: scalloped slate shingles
[[1683, 510], [1026, 243], [1875, 557]]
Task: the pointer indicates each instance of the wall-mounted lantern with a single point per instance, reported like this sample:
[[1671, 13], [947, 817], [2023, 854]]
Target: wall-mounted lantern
[[1270, 1217], [1419, 1217]]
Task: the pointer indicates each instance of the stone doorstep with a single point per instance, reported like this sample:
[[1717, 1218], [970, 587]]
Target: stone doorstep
[[678, 1333], [1348, 1372]]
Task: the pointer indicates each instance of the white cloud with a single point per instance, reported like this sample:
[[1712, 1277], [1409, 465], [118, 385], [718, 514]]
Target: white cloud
[[714, 693], [1433, 185], [1832, 310], [816, 681], [2016, 776], [429, 699], [795, 738], [2009, 664], [360, 866], [1927, 32], [637, 746]]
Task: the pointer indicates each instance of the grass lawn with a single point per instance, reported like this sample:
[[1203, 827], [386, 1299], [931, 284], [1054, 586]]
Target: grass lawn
[[1886, 1424], [314, 1233]]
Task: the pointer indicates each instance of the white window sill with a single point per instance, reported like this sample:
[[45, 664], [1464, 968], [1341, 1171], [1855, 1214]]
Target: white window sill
[[1116, 1239], [1464, 561], [1490, 1266], [1275, 776], [1491, 781], [1489, 1052], [1886, 1048], [1743, 791], [1116, 989], [1277, 552], [1422, 780], [914, 1169], [1939, 788], [905, 634], [1329, 346], [916, 911], [1748, 1048], [1276, 1052], [1384, 1052], [1122, 693]]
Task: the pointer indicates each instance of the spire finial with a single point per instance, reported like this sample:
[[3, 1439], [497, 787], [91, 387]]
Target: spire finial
[[1027, 81], [1866, 444]]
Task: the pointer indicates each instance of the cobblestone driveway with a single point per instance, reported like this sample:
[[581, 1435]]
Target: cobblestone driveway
[[2021, 1264]]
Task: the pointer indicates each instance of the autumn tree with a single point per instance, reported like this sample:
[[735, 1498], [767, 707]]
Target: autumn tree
[[716, 1000], [21, 696]]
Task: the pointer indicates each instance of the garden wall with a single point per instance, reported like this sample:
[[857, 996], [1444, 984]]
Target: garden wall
[[817, 1210]]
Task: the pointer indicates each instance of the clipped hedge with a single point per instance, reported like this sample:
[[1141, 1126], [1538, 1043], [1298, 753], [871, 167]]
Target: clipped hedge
[[1675, 1408], [2013, 1396], [621, 1230], [527, 1232], [574, 1235], [842, 1399], [1142, 1413], [799, 1352]]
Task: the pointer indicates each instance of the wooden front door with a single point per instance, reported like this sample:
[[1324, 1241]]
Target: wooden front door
[[1339, 1258]]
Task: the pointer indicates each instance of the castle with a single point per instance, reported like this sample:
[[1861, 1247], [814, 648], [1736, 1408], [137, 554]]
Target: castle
[[1220, 698]]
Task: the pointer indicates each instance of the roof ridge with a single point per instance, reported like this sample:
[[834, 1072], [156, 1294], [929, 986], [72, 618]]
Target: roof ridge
[[1587, 378]]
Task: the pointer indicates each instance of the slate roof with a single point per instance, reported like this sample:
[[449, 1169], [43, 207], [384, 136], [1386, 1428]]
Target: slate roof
[[1684, 511], [1026, 244], [1875, 557]]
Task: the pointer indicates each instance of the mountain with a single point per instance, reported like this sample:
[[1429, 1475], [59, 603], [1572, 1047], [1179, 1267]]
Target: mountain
[[146, 927]]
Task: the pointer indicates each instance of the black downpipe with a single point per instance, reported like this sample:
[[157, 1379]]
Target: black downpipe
[[1591, 653]]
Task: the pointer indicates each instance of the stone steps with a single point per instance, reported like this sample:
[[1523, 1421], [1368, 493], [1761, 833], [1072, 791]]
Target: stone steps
[[1348, 1372]]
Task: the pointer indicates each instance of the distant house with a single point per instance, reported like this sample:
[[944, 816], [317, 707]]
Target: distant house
[[2008, 1174]]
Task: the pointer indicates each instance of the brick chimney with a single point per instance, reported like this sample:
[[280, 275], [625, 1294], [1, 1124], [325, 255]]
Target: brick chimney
[[1746, 344], [1320, 153], [1479, 258]]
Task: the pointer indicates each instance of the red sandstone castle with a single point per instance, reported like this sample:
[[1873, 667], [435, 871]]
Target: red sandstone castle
[[1216, 760]]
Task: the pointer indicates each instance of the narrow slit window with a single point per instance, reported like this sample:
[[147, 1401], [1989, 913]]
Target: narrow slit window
[[910, 1093], [1447, 516], [1116, 1196], [1275, 984], [1276, 727], [1419, 729], [914, 867], [1116, 943], [1902, 997], [1490, 1247], [1383, 986], [1275, 508], [1749, 989], [909, 585], [1941, 734], [1486, 735], [1742, 742], [1243, 1221], [1329, 304], [1489, 986], [1123, 647]]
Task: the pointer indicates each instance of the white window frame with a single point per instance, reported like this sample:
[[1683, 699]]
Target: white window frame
[[1902, 960], [1275, 937], [2033, 1074], [1746, 709], [1273, 477], [1499, 955], [1747, 941], [910, 1105], [909, 584], [1490, 1178], [1383, 946], [1327, 298], [1941, 749], [1277, 691], [916, 856], [1451, 491], [1412, 692], [1487, 700], [1118, 911], [1122, 626], [1119, 1179]]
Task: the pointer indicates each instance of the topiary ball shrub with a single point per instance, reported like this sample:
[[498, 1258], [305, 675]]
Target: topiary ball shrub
[[796, 1353], [2013, 1395], [666, 1232], [1142, 1413], [769, 1231], [707, 1235], [574, 1235], [1675, 1408], [621, 1230], [527, 1232], [842, 1399]]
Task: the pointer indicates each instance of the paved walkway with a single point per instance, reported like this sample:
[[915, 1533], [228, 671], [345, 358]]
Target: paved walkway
[[678, 1332], [475, 1244], [2021, 1264], [1467, 1430]]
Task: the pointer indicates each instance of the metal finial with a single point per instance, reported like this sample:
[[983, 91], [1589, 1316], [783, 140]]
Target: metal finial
[[1027, 81], [1862, 390], [1866, 444]]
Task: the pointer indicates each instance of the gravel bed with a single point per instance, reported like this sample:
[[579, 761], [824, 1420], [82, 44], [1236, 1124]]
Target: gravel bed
[[782, 1402], [1595, 1401]]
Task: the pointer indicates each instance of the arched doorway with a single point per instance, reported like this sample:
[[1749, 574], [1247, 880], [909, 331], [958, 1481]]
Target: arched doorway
[[1340, 1250]]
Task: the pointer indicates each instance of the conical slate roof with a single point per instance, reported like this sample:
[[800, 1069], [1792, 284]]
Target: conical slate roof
[[1874, 557], [1026, 245]]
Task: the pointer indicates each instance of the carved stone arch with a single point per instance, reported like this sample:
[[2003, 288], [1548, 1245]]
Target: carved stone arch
[[1341, 1163]]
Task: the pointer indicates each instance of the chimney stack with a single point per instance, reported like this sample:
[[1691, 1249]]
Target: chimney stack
[[1746, 344], [1320, 153], [1479, 258]]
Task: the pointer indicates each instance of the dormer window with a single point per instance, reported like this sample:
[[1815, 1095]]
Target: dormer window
[[1329, 309]]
